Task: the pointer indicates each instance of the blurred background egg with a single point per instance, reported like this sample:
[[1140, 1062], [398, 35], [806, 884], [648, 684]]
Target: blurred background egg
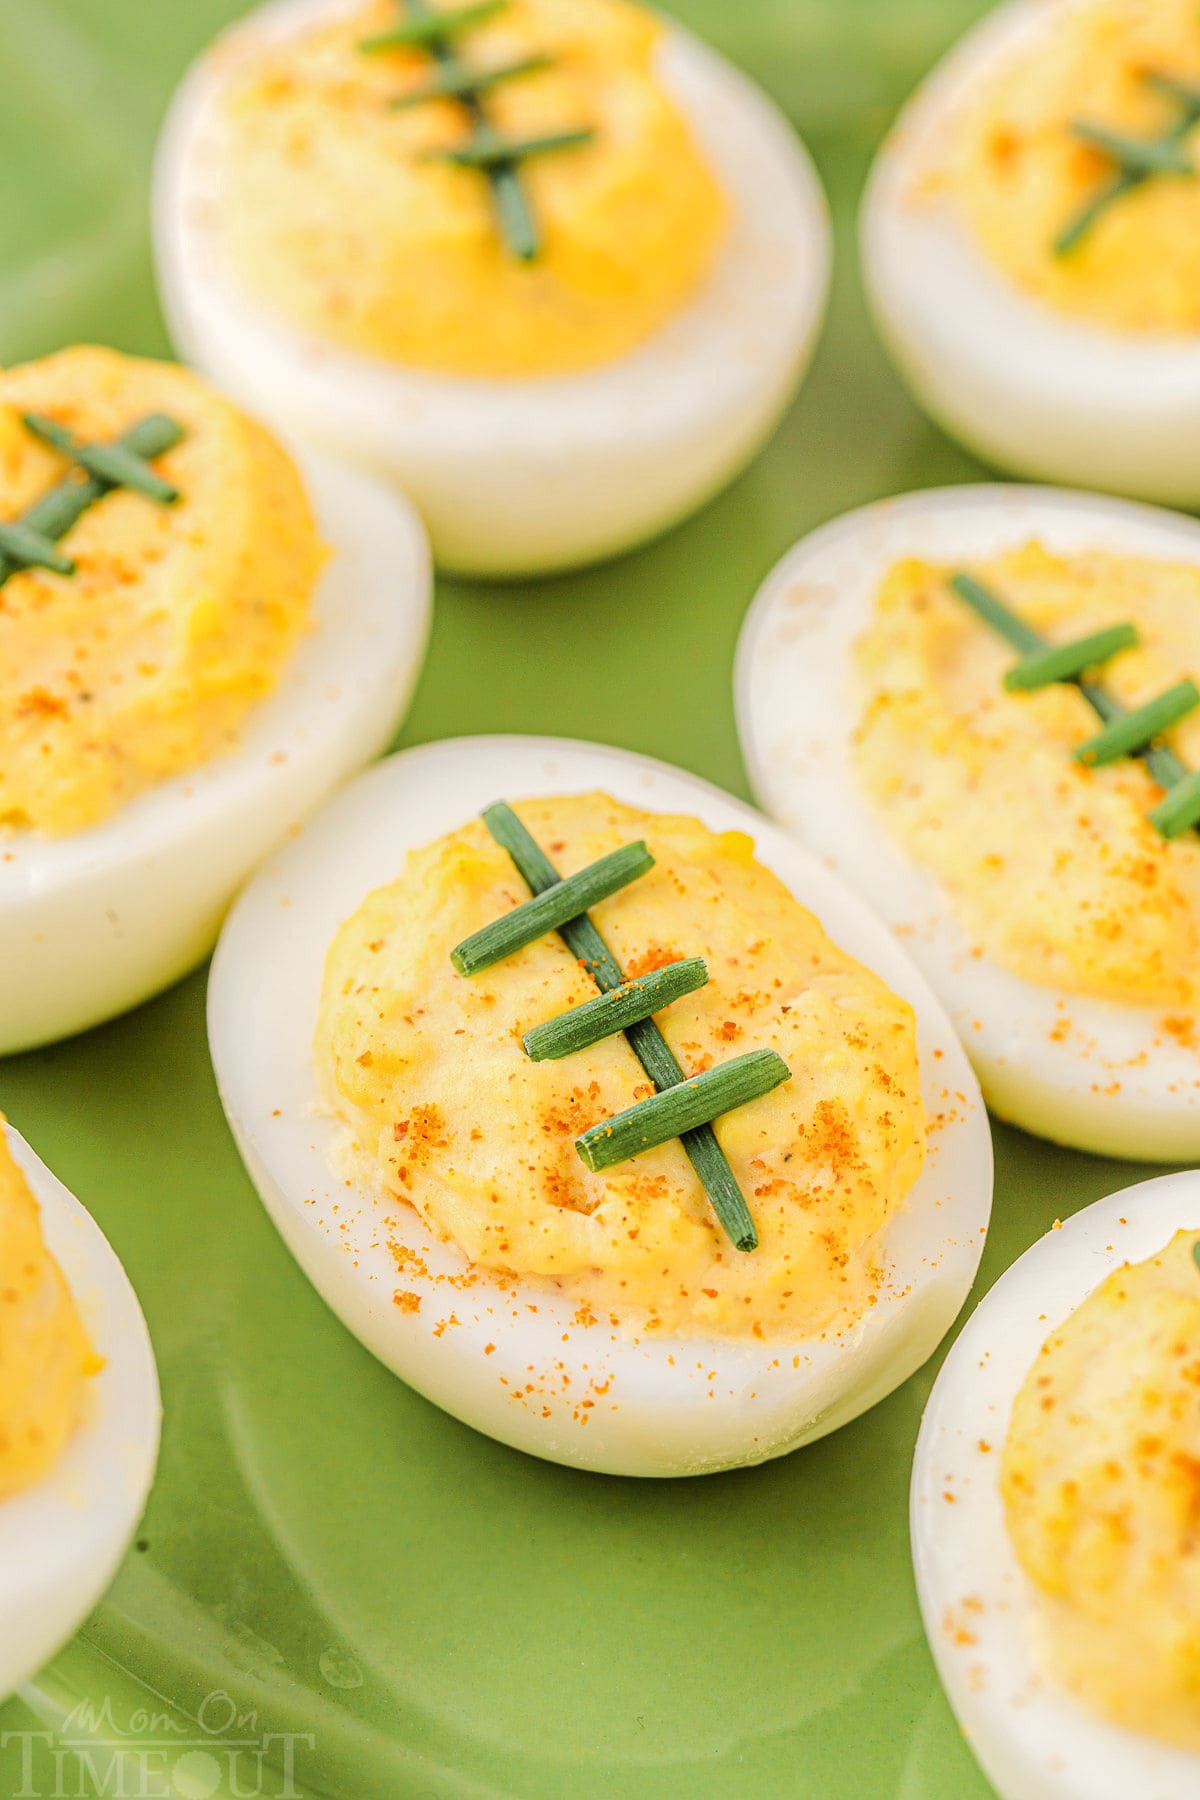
[[79, 1413], [540, 412], [1022, 1662], [1057, 350], [177, 703]]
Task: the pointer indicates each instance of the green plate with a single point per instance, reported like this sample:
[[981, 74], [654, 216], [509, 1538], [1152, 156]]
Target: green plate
[[339, 1591]]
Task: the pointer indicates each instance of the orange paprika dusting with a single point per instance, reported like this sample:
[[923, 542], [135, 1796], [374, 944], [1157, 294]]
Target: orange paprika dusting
[[40, 703]]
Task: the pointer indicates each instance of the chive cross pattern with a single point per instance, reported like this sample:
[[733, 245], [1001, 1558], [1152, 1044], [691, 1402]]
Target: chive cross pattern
[[1137, 159], [683, 1106], [31, 541], [1125, 732], [488, 150]]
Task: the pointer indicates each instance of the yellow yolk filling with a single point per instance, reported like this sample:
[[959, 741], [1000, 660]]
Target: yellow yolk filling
[[427, 1069], [334, 214], [1052, 868], [45, 1356], [1019, 175], [1101, 1484], [178, 620]]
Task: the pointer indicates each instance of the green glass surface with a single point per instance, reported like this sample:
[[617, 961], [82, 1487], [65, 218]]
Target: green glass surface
[[326, 1554]]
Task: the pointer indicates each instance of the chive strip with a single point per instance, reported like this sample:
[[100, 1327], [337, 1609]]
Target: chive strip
[[1134, 730], [1062, 662], [1180, 810], [513, 214], [1196, 1253], [426, 28], [1187, 96], [567, 899], [1137, 156], [1128, 179], [1077, 229], [57, 511], [697, 1101], [512, 210], [645, 1039], [992, 610], [23, 547], [456, 82], [114, 464], [489, 149], [609, 1013], [1161, 763]]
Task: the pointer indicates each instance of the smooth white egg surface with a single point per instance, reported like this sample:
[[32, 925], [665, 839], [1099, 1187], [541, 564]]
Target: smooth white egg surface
[[525, 475], [594, 1397], [62, 1540], [94, 922], [1110, 1078], [1034, 1741], [1027, 387]]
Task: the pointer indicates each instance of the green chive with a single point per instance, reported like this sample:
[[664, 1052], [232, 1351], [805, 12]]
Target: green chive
[[57, 511], [1180, 811], [512, 209], [1133, 731], [1162, 763], [1137, 156], [645, 1039], [1131, 177], [456, 82], [609, 1013], [1077, 229], [994, 612], [489, 149], [546, 912], [1062, 662], [23, 547], [1187, 96], [425, 26], [1196, 1253], [487, 152], [113, 464], [697, 1101]]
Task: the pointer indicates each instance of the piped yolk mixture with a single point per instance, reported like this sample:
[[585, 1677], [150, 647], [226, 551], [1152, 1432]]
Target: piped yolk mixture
[[178, 619], [45, 1357], [1019, 174], [1052, 867], [336, 215], [451, 1116], [1101, 1485]]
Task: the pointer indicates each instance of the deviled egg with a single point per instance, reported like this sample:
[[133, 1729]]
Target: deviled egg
[[553, 266], [79, 1413], [495, 1211], [198, 638], [1030, 238], [1054, 1506], [954, 782]]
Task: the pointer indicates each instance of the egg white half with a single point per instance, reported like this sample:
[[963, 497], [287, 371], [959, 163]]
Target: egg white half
[[94, 922], [62, 1540], [798, 702], [521, 476], [1034, 1742], [1024, 385], [628, 1406]]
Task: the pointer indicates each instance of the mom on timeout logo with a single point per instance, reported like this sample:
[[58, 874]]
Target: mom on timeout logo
[[93, 1755]]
